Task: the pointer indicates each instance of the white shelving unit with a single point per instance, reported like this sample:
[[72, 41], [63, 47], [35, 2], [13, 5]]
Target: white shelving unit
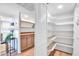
[[50, 40], [51, 44], [66, 45], [63, 31], [64, 23], [26, 24], [51, 47], [64, 37]]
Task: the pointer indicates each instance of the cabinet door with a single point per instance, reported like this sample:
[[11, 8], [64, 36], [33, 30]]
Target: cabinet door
[[23, 42], [29, 41]]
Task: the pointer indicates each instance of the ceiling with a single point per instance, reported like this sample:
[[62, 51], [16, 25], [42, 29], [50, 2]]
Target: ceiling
[[57, 9], [28, 6], [54, 9]]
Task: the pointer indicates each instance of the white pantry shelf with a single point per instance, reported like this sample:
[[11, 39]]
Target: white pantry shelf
[[65, 45], [64, 37], [61, 23], [50, 40], [51, 47], [27, 27], [65, 23], [64, 31]]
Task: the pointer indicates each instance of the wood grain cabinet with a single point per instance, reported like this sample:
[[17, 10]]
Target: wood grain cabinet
[[27, 40]]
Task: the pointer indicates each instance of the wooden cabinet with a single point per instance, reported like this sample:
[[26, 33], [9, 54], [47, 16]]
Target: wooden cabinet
[[23, 42], [27, 40]]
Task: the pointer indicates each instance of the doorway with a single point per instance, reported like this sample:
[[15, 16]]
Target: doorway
[[27, 29], [60, 28]]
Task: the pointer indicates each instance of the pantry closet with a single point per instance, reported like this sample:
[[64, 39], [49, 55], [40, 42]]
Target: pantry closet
[[61, 28]]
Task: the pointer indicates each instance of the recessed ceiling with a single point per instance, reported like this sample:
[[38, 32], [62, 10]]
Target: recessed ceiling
[[56, 9]]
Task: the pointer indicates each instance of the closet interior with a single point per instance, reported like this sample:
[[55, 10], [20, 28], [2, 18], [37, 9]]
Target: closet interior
[[60, 27]]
